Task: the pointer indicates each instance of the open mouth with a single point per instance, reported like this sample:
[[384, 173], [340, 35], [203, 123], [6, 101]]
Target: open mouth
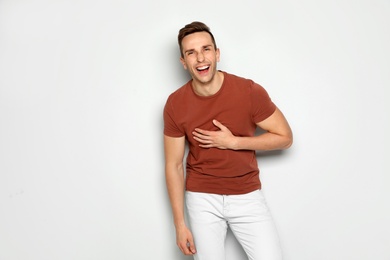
[[203, 68]]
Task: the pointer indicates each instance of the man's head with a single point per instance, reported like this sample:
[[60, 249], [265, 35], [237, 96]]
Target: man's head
[[193, 28], [199, 53]]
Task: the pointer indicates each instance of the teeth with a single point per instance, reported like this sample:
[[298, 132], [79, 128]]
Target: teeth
[[202, 68]]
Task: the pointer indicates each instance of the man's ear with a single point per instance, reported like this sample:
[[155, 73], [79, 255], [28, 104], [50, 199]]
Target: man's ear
[[183, 63], [218, 54]]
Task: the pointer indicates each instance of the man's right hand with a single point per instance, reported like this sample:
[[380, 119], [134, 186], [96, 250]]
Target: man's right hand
[[185, 241]]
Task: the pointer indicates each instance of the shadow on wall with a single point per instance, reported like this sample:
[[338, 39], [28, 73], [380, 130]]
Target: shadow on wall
[[265, 154]]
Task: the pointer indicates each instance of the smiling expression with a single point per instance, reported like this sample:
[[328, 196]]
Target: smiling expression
[[200, 57]]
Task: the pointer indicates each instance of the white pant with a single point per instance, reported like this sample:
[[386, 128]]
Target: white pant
[[247, 216]]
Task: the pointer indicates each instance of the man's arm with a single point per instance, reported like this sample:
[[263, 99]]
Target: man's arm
[[278, 136], [174, 173]]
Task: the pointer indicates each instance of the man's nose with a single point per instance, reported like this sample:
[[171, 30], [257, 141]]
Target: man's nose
[[200, 56]]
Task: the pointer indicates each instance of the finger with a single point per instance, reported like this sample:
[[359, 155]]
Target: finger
[[199, 135], [203, 141], [205, 144], [218, 124], [201, 131], [191, 246], [185, 249]]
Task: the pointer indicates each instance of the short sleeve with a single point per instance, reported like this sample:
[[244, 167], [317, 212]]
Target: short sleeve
[[170, 126], [262, 105]]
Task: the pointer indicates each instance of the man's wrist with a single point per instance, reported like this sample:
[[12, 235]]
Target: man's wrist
[[180, 224], [235, 143]]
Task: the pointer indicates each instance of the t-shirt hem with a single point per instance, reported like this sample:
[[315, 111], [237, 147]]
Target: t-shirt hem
[[226, 192]]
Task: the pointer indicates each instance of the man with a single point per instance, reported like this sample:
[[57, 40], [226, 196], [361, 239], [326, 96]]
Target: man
[[217, 113]]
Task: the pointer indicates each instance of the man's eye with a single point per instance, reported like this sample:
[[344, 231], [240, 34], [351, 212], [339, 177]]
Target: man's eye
[[190, 53]]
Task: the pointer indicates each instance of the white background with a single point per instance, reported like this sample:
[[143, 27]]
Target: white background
[[82, 88]]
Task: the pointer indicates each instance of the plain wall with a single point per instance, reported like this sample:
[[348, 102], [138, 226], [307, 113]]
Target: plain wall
[[82, 88]]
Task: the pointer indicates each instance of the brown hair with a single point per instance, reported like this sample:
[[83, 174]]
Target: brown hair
[[193, 28]]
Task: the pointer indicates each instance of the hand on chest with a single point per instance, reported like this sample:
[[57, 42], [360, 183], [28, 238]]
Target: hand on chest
[[236, 116]]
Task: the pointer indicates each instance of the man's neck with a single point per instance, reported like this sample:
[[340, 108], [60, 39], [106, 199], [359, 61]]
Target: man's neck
[[210, 88]]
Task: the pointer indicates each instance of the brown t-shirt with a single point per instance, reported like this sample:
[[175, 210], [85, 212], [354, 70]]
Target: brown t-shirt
[[239, 105]]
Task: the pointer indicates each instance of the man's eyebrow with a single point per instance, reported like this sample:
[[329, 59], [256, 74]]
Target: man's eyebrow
[[204, 46]]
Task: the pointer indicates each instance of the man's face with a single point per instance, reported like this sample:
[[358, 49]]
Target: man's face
[[200, 57]]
